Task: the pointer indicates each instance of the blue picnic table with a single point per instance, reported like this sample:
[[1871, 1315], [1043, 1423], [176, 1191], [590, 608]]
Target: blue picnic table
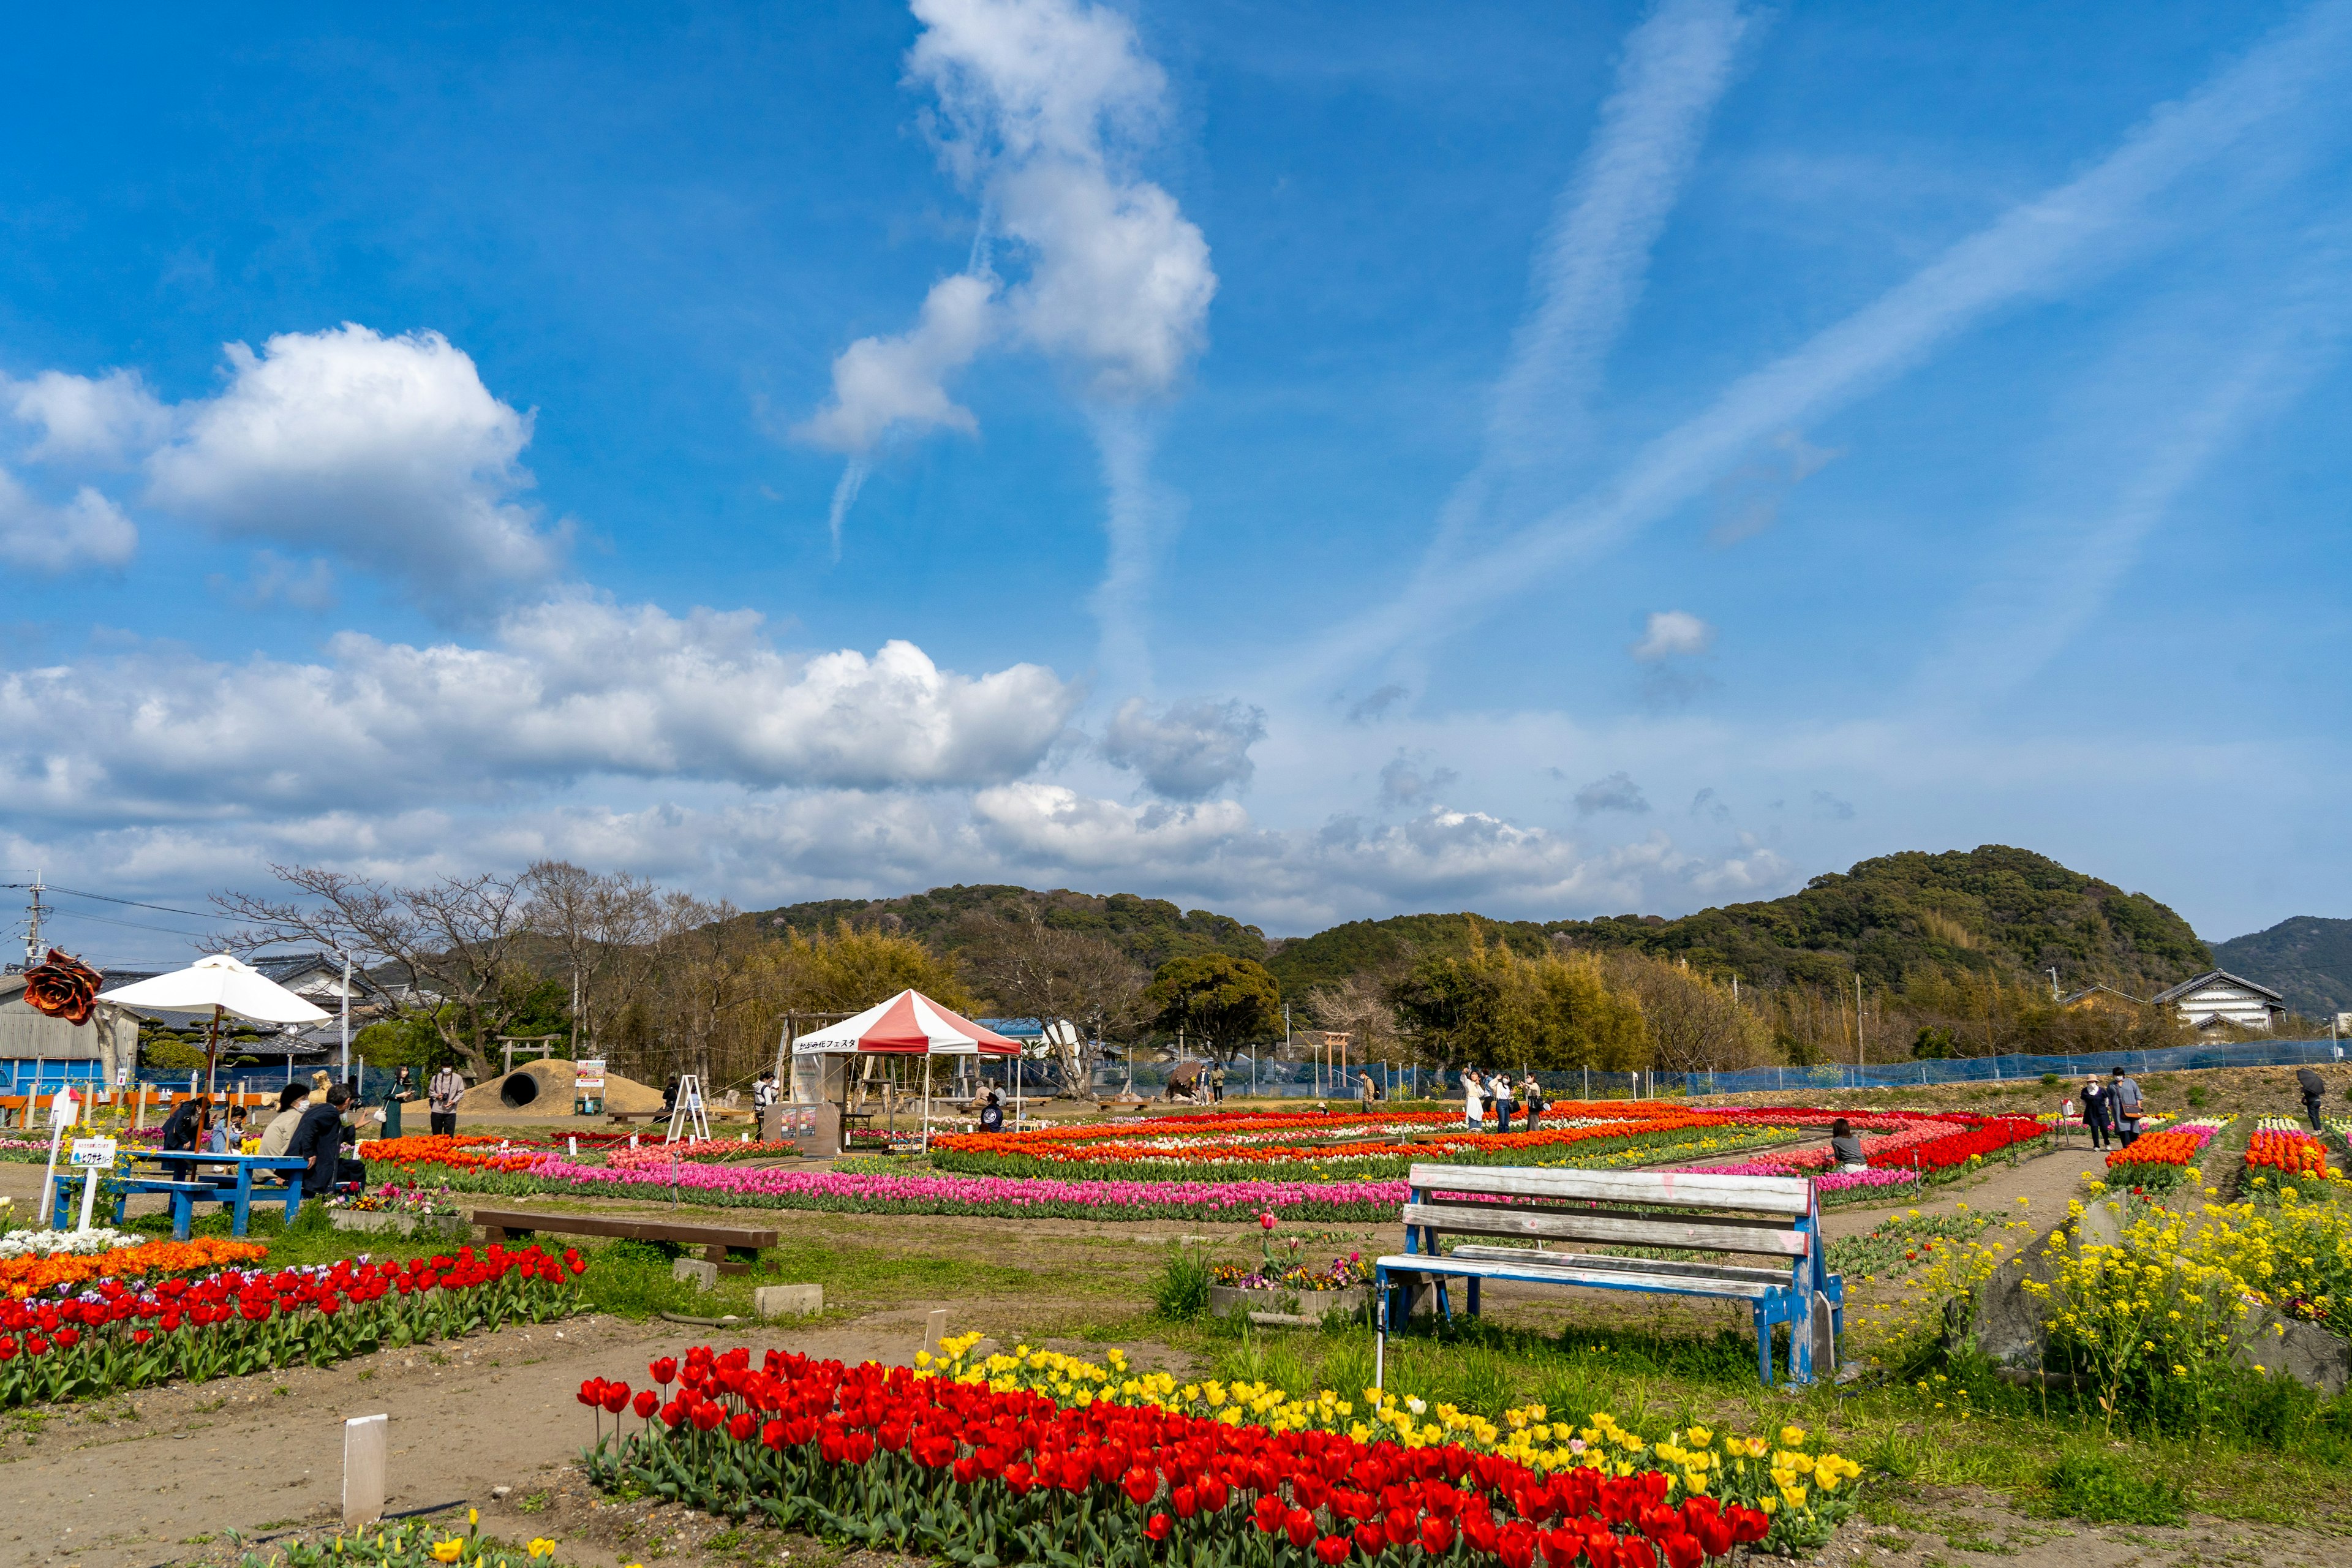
[[180, 1174]]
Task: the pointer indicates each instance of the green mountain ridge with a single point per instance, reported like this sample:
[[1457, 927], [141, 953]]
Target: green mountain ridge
[[2307, 958], [1150, 930], [1994, 911]]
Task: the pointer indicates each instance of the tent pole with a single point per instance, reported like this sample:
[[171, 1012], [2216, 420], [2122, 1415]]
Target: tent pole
[[927, 1103]]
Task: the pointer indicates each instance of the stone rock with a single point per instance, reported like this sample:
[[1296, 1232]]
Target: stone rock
[[787, 1300], [701, 1271], [2289, 1347], [2007, 1322]]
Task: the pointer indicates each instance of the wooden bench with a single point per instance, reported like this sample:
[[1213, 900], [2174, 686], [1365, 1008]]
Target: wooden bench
[[716, 1241], [1773, 1218]]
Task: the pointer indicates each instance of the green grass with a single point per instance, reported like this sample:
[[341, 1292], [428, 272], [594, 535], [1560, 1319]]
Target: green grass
[[2095, 1487], [2287, 1467]]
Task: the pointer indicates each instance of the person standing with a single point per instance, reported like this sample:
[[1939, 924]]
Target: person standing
[[1532, 1096], [1217, 1084], [1364, 1090], [320, 1139], [441, 1098], [2097, 1113], [1474, 1100], [2315, 1088], [1499, 1087], [2125, 1091], [401, 1092]]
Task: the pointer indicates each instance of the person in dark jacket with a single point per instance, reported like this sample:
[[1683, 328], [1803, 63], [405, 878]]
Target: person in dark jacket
[[185, 1128], [992, 1114], [320, 1139], [1845, 1146], [2098, 1118], [2313, 1089]]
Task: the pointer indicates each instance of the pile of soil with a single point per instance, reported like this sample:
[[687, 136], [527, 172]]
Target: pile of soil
[[549, 1088]]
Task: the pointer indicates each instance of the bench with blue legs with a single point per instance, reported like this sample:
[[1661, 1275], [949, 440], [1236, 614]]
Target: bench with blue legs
[[187, 1179], [1774, 1218]]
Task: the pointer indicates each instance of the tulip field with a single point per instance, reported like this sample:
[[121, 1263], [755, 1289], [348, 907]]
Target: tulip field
[[1232, 1166], [112, 1326], [1037, 1457]]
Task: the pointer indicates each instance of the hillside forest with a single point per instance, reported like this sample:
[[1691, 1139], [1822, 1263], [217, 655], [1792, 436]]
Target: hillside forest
[[1962, 954]]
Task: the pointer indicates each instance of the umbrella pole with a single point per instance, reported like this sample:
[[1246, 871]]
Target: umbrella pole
[[927, 1103], [212, 1047]]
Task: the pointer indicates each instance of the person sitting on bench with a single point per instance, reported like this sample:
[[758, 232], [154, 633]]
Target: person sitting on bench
[[292, 1101], [320, 1139]]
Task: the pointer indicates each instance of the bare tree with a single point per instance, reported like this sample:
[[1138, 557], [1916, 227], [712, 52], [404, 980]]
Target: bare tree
[[1033, 969], [1695, 1024], [601, 925], [454, 941], [1359, 1007]]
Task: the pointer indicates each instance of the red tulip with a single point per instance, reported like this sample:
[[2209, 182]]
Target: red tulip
[[1159, 1526], [1299, 1525], [1370, 1538], [647, 1401], [1436, 1536], [1332, 1549], [664, 1370], [616, 1398]]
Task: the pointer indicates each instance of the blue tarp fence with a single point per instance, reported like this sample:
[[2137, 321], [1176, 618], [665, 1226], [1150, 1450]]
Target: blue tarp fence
[[2008, 1069]]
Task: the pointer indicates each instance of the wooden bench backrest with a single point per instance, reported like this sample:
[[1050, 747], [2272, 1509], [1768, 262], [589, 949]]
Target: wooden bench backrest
[[1762, 1214]]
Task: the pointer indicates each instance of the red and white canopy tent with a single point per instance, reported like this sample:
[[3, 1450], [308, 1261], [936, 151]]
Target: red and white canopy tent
[[909, 1023]]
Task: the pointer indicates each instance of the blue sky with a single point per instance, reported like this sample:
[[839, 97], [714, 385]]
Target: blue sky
[[1310, 462]]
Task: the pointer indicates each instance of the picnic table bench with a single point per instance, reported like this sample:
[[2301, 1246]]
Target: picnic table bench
[[179, 1174], [717, 1241], [1774, 1218]]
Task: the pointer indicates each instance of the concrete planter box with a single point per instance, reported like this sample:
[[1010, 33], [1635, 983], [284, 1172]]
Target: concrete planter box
[[1300, 1306], [455, 1226]]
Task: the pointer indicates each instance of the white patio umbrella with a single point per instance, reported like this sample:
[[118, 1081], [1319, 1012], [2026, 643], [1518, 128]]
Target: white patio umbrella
[[226, 986]]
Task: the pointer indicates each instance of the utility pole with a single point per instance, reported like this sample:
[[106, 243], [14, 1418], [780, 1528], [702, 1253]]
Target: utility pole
[[346, 1017], [1857, 1017], [33, 953], [1286, 1032]]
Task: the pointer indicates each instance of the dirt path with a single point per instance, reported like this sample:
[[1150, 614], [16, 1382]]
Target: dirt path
[[487, 1422]]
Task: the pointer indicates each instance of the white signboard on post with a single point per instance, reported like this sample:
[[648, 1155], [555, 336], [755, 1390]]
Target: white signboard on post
[[588, 1075], [93, 1151]]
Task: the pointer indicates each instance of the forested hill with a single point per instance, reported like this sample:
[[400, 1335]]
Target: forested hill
[[2308, 959], [1993, 909], [1150, 930]]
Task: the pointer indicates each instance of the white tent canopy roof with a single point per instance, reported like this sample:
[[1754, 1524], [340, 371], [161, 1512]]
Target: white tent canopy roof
[[219, 981], [909, 1023]]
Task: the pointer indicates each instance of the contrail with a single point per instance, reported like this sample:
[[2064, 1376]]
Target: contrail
[[2019, 251], [2058, 576], [844, 496], [1131, 519], [1590, 264]]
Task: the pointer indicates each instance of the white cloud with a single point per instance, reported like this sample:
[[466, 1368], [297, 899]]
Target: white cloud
[[87, 531], [1671, 634], [1187, 750], [389, 452], [878, 382], [1051, 825], [1618, 792], [110, 420], [1043, 106], [571, 689]]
